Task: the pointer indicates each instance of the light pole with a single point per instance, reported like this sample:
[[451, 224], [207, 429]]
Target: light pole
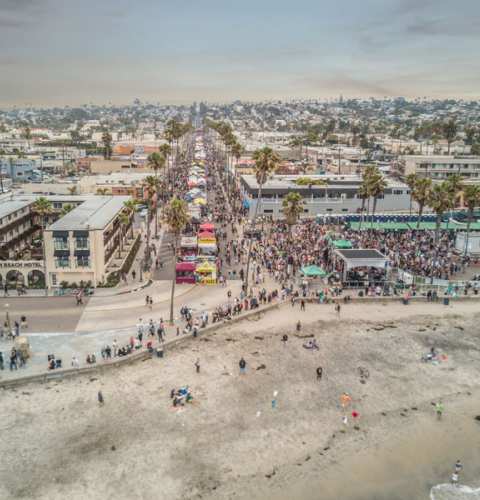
[[7, 319]]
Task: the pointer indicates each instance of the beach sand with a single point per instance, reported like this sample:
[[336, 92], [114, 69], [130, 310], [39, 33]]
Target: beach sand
[[57, 442]]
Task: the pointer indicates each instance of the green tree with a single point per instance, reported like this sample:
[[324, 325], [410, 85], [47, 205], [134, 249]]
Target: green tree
[[449, 130], [266, 162], [102, 191], [176, 218], [107, 145], [439, 200], [150, 184], [471, 198], [377, 186], [68, 207], [292, 208], [130, 207], [475, 149], [72, 190], [43, 208], [421, 194], [156, 161], [166, 150], [455, 186]]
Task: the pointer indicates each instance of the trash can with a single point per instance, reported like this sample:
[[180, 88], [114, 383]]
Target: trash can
[[446, 301], [159, 353]]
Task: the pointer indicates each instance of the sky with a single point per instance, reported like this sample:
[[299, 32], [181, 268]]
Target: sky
[[70, 52]]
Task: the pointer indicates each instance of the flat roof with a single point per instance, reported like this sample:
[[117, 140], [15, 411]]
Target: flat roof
[[361, 253], [94, 213], [7, 207]]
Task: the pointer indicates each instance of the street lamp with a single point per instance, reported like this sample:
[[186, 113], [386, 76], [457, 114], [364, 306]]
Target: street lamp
[[7, 318]]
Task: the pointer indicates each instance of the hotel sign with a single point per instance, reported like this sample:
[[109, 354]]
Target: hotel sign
[[21, 264]]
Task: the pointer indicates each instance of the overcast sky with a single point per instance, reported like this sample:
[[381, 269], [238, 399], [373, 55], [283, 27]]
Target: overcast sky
[[73, 52]]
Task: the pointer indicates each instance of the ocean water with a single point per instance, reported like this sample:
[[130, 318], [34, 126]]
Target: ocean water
[[450, 492]]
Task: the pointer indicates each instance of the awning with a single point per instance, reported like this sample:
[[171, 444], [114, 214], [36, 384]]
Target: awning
[[208, 227], [206, 267], [188, 242], [185, 266], [313, 271], [366, 257]]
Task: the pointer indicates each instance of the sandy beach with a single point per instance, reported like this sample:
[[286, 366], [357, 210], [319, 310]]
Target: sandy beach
[[57, 442]]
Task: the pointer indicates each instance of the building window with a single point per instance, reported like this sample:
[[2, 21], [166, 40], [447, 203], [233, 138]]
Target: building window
[[54, 279], [57, 204], [62, 262], [81, 243], [83, 261], [397, 191], [60, 243], [268, 211]]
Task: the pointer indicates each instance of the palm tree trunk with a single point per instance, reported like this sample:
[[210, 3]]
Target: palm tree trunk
[[174, 279], [44, 257], [374, 207], [156, 204], [420, 212], [147, 246], [259, 201], [368, 208], [437, 227], [362, 210], [469, 221]]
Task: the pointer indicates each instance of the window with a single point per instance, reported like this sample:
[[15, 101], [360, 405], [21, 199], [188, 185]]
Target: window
[[54, 279], [397, 191], [62, 262], [81, 243], [344, 209], [60, 243], [57, 204], [83, 261], [268, 211]]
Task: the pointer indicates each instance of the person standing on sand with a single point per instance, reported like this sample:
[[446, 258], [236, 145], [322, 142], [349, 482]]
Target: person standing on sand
[[243, 365], [302, 305], [100, 398], [337, 309], [197, 365], [439, 410]]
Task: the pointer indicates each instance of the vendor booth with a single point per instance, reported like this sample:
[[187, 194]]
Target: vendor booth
[[185, 272], [188, 247], [207, 227], [206, 273], [372, 263]]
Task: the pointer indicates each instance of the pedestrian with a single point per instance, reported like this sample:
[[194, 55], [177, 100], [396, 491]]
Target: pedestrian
[[285, 339], [454, 479], [243, 365], [13, 359], [197, 365], [299, 326], [114, 347], [1, 361], [75, 363], [101, 401], [337, 308], [458, 466], [439, 410], [319, 373], [302, 305], [133, 275]]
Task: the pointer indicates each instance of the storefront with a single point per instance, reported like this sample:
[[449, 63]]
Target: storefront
[[206, 273], [185, 273]]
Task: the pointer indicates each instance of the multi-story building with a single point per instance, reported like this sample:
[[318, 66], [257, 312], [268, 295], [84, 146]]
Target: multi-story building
[[18, 169], [89, 242], [337, 194], [439, 168]]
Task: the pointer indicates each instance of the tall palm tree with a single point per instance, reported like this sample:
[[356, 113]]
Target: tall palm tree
[[72, 189], [439, 201], [471, 197], [266, 161], [410, 181], [455, 186], [292, 208], [43, 207], [156, 161], [176, 217], [124, 219], [130, 207], [421, 193], [364, 194], [377, 188], [151, 189], [165, 150]]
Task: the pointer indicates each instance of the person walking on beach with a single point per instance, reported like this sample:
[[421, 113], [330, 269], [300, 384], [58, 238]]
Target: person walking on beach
[[439, 410], [101, 401], [337, 309], [302, 305], [458, 467], [319, 373], [243, 365], [197, 365]]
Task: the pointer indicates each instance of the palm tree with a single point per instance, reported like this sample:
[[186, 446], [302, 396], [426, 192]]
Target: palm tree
[[449, 130], [131, 207], [421, 193], [151, 188], [410, 181], [102, 191], [124, 219], [156, 161], [364, 194], [292, 208], [68, 207], [266, 161], [43, 207], [107, 145], [176, 217], [455, 187], [165, 150], [471, 197], [439, 201], [72, 189], [377, 188]]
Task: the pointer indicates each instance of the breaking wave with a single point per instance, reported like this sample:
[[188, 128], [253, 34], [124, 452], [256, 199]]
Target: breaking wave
[[450, 492]]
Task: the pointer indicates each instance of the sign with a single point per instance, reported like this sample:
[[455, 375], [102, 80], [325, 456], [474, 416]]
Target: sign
[[21, 264]]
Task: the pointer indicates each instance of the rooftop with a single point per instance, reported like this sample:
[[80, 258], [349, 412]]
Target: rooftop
[[9, 206], [95, 213]]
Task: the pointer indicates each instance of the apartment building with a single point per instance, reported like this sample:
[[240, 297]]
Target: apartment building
[[338, 194], [89, 242], [439, 168]]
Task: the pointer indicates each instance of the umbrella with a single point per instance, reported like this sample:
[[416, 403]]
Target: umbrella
[[313, 271]]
